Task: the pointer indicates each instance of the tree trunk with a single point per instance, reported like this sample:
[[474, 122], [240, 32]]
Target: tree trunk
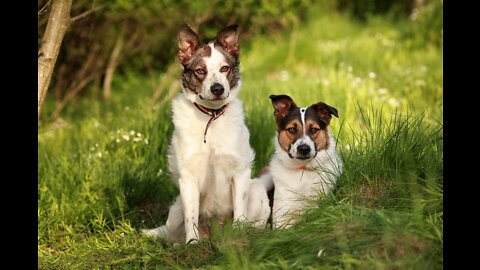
[[58, 22], [112, 65]]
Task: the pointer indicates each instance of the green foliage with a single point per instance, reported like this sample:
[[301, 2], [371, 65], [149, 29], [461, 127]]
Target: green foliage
[[363, 9], [103, 171], [427, 29], [148, 29]]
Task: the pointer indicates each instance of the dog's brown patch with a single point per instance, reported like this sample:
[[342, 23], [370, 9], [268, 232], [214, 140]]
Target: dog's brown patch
[[318, 134], [286, 138]]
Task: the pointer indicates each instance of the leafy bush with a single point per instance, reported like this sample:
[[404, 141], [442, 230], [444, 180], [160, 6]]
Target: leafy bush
[[362, 9]]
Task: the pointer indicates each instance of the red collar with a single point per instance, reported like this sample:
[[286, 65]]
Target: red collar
[[301, 167], [211, 112]]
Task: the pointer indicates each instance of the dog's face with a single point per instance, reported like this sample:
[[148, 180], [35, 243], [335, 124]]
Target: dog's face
[[302, 132], [211, 75]]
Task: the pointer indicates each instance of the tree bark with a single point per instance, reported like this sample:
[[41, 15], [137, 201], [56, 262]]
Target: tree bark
[[112, 65], [57, 25]]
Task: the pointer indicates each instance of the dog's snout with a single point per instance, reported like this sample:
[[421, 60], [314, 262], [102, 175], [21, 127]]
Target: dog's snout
[[303, 149], [217, 89]]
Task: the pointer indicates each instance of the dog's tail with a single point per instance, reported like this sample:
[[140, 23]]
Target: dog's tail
[[159, 232]]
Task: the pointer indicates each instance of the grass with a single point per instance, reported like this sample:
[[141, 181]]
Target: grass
[[102, 167]]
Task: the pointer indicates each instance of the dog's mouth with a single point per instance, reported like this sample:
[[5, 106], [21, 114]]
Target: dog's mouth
[[213, 99], [302, 157]]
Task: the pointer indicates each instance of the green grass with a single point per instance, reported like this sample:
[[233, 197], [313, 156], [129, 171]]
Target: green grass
[[102, 167]]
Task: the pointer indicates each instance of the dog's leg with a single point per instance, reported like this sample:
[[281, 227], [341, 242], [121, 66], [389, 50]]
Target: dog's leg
[[173, 230], [241, 182], [258, 209], [190, 196], [175, 222]]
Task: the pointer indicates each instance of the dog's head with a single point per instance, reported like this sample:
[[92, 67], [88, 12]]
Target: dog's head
[[302, 132], [211, 75]]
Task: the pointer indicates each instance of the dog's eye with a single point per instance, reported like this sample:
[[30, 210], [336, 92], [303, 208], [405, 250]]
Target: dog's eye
[[313, 130], [292, 130], [200, 71], [225, 69]]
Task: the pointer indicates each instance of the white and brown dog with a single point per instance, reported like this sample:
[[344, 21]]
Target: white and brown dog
[[305, 163], [210, 156]]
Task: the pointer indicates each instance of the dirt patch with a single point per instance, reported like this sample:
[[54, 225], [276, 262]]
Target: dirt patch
[[400, 245], [370, 193]]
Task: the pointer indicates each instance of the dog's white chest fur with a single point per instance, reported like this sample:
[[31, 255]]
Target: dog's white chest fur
[[211, 165]]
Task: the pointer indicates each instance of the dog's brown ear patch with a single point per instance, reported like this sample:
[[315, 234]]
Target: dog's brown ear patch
[[188, 42], [282, 105], [325, 111], [227, 38]]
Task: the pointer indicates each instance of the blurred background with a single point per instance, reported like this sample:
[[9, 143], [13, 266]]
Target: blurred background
[[123, 36]]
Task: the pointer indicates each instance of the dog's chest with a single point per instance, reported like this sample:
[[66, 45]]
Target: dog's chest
[[290, 182], [213, 163]]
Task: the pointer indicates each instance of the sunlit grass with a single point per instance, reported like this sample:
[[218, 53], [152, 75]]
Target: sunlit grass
[[103, 172]]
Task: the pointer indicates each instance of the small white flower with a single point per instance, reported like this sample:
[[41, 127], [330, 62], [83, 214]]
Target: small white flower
[[284, 75], [320, 252], [139, 135], [92, 148], [372, 75], [99, 154], [96, 145], [350, 69], [126, 137], [145, 141], [393, 102], [136, 139], [383, 91], [132, 132], [326, 82], [117, 140]]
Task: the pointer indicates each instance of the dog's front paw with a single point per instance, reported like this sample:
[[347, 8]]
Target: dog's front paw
[[241, 219], [160, 232], [192, 241]]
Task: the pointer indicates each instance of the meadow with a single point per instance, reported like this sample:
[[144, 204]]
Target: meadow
[[102, 170]]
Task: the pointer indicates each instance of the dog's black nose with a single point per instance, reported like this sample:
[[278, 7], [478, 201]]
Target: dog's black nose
[[217, 89], [303, 149]]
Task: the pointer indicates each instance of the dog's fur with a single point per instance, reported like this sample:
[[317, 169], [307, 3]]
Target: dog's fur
[[213, 175], [305, 163]]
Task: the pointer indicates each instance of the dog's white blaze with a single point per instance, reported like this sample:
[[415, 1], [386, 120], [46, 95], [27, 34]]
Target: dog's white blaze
[[302, 117], [214, 63], [304, 139]]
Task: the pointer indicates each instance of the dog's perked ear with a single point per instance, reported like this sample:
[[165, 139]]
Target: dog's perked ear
[[325, 111], [282, 105], [187, 43], [227, 38]]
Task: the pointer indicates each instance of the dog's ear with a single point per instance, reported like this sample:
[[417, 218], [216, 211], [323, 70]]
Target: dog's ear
[[325, 111], [282, 105], [227, 38], [187, 43]]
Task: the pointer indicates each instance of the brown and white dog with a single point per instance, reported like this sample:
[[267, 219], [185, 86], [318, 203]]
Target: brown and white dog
[[210, 156], [305, 163]]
